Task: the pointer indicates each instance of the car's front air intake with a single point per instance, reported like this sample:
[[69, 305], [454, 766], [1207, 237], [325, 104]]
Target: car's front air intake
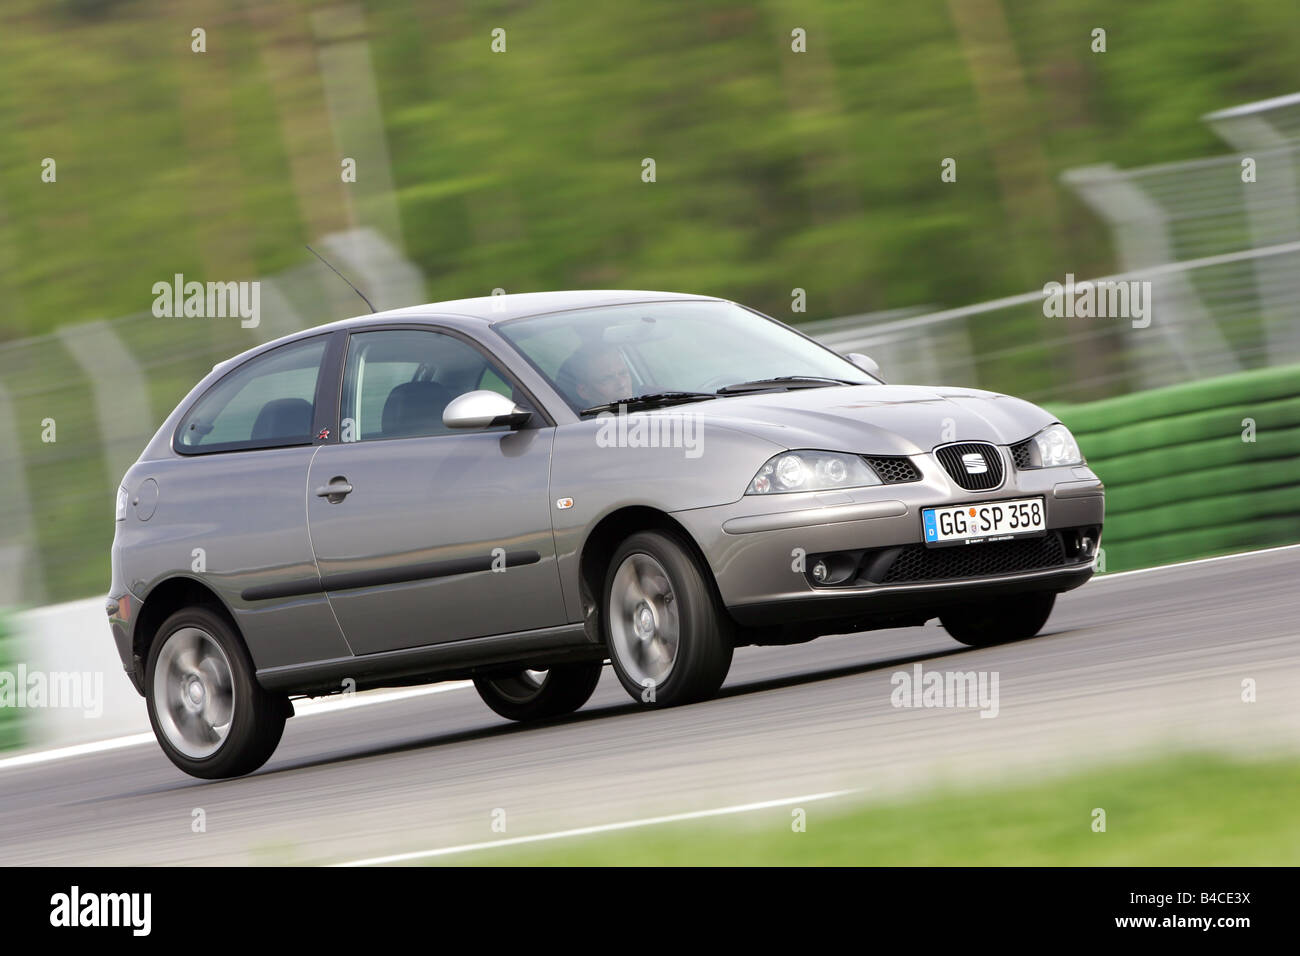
[[1022, 455], [894, 469], [918, 563], [975, 465]]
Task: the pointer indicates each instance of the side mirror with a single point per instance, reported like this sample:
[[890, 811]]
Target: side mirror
[[866, 363], [483, 409]]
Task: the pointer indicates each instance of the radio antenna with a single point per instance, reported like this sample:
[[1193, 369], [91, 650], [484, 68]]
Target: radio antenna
[[341, 276]]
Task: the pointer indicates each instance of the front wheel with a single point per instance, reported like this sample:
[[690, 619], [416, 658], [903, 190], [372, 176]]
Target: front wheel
[[210, 715], [987, 623], [669, 642], [536, 695]]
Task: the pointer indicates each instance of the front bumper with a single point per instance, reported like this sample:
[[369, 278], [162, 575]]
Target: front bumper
[[759, 548], [899, 605]]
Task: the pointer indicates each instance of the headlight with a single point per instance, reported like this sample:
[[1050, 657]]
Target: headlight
[[811, 471], [1056, 446], [122, 498]]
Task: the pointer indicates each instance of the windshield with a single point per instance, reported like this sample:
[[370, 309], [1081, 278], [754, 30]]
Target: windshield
[[595, 356]]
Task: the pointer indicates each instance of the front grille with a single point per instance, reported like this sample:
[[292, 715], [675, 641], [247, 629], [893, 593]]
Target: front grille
[[894, 470], [916, 562], [1021, 454], [956, 458]]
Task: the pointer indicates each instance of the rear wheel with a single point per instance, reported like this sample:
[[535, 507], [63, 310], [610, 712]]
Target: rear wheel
[[669, 642], [210, 715], [987, 623], [535, 695]]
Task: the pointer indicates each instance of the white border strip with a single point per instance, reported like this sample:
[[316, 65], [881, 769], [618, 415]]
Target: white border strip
[[1187, 564], [601, 828], [309, 708], [76, 750]]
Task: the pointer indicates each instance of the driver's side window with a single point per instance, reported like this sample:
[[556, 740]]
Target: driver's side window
[[398, 382], [493, 382]]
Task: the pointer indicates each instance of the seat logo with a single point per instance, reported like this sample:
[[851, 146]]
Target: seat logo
[[974, 462]]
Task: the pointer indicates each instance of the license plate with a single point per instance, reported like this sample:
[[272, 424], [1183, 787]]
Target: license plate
[[984, 521]]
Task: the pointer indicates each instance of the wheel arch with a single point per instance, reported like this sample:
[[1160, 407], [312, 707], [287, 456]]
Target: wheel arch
[[603, 540], [163, 600]]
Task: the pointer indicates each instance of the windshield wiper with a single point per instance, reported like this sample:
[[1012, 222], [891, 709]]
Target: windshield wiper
[[652, 400], [783, 381]]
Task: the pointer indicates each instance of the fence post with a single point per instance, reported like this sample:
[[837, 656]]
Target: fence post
[[1141, 233], [121, 396], [1274, 215], [352, 98], [20, 578]]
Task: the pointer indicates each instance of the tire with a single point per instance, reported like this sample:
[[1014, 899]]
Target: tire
[[536, 695], [669, 641], [989, 623], [210, 715]]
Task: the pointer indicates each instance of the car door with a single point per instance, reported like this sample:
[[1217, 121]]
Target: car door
[[424, 534]]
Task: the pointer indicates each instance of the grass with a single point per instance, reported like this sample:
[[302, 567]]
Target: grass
[[1190, 810], [10, 719], [522, 170]]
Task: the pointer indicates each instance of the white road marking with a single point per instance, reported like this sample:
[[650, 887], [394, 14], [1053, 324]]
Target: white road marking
[[601, 828], [331, 705], [307, 708], [1187, 564], [75, 750]]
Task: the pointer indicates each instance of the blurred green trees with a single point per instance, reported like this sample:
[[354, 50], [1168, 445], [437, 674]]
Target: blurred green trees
[[522, 169]]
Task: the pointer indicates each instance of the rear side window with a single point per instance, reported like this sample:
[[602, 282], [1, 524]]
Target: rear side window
[[268, 401]]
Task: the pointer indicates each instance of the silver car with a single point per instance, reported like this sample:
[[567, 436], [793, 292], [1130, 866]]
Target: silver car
[[515, 489]]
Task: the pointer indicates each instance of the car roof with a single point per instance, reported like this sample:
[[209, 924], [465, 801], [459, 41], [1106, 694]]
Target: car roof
[[498, 308], [480, 311], [495, 308]]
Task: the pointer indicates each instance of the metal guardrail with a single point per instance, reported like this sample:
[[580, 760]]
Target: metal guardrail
[[1199, 328], [1217, 238]]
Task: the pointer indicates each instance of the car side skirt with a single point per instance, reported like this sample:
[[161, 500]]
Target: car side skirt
[[454, 660]]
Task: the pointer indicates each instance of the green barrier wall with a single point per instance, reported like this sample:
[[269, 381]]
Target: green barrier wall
[[1181, 480]]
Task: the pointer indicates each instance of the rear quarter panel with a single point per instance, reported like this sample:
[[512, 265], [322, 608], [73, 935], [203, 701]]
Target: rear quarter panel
[[234, 521]]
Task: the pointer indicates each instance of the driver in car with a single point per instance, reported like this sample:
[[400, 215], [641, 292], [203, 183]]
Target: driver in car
[[597, 374]]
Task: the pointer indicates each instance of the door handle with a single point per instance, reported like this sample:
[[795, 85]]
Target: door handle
[[336, 490]]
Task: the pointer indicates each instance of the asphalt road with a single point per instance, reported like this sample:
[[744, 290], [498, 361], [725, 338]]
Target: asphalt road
[[1127, 665]]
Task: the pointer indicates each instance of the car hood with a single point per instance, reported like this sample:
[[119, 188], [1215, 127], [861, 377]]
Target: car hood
[[877, 419]]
